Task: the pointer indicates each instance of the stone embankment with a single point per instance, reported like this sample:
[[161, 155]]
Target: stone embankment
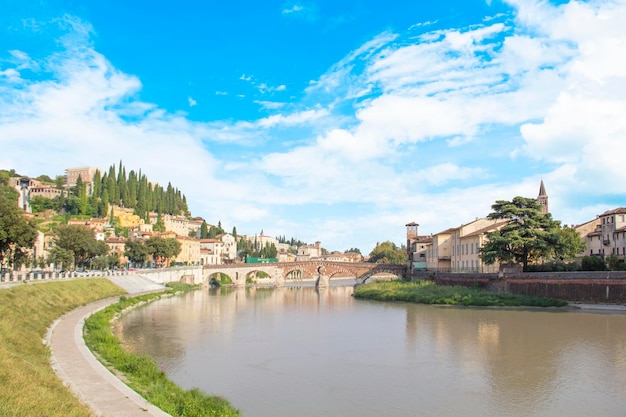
[[584, 287]]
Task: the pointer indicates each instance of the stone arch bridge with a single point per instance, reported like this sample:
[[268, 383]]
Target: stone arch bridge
[[323, 271]]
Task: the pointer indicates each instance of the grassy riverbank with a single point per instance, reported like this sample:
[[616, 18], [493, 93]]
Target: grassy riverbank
[[142, 374], [28, 385], [427, 292]]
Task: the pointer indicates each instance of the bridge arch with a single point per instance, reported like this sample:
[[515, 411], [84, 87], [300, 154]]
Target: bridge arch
[[361, 271]]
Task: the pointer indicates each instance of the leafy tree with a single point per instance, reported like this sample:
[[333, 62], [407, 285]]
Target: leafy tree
[[615, 264], [62, 258], [268, 251], [529, 235], [100, 262], [45, 179], [17, 234], [39, 203], [81, 242], [353, 250], [387, 253], [160, 224], [137, 252], [216, 230], [569, 245], [204, 230], [163, 249]]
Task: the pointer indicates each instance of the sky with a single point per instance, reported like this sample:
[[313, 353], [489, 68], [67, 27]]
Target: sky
[[337, 122]]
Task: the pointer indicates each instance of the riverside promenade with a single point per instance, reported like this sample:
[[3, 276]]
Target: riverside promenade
[[90, 381]]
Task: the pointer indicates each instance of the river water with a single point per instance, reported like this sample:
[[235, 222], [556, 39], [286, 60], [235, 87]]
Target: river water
[[298, 352]]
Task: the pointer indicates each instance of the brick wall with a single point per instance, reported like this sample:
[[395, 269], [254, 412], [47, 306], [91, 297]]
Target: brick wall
[[592, 287]]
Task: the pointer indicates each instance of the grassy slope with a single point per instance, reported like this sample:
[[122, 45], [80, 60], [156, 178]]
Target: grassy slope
[[427, 292], [29, 386]]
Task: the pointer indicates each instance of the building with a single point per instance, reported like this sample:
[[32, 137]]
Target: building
[[117, 245], [458, 249], [189, 251], [28, 188], [229, 251], [84, 173], [180, 225], [417, 248], [591, 233], [438, 253], [613, 232], [466, 243], [309, 252], [211, 251], [542, 199]]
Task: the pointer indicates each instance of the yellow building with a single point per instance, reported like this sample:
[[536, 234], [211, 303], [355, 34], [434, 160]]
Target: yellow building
[[189, 251]]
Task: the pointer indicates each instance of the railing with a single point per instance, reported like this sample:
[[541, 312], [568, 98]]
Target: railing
[[22, 276]]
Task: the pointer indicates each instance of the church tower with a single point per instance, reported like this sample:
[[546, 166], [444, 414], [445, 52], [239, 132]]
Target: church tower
[[542, 199]]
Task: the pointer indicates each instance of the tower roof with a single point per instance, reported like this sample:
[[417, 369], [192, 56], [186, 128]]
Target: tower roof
[[542, 190]]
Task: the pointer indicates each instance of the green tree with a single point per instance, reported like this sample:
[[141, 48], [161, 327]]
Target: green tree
[[81, 242], [39, 203], [387, 253], [63, 259], [17, 234], [569, 245], [204, 230], [163, 249], [353, 250], [137, 252], [160, 224], [529, 236], [216, 230], [268, 251]]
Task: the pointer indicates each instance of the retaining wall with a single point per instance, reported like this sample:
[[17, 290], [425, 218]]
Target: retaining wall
[[591, 287]]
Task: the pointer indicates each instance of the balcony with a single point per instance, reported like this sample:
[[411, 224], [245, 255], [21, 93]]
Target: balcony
[[606, 242]]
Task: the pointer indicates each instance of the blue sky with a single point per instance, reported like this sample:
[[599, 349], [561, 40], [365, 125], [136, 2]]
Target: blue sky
[[331, 121]]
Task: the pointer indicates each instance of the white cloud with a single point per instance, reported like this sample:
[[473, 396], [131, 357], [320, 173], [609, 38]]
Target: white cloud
[[271, 105], [293, 9], [394, 120], [304, 11], [191, 102]]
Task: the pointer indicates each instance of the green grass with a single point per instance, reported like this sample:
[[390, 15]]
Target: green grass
[[28, 385], [427, 292], [142, 373]]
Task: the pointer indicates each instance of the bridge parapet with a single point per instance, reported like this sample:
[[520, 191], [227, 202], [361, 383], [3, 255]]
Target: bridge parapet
[[308, 269], [188, 275]]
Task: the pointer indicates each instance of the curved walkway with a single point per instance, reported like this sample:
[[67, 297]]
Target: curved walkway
[[90, 381]]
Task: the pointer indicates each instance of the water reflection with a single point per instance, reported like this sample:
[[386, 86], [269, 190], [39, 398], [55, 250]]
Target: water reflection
[[298, 351]]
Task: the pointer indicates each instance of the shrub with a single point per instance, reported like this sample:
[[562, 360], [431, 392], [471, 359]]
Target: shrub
[[593, 263]]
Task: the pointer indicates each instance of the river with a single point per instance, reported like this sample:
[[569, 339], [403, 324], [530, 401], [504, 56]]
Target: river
[[299, 352]]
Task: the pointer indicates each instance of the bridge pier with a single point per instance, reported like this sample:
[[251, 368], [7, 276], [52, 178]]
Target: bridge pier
[[322, 281]]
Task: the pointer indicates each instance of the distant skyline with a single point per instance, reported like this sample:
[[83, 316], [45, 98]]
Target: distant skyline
[[321, 120]]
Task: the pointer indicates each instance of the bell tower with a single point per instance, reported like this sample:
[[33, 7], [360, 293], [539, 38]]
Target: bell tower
[[542, 199]]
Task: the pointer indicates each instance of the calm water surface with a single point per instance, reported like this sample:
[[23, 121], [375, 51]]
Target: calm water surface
[[306, 353]]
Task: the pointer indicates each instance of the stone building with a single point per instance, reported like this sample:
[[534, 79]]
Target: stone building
[[84, 173]]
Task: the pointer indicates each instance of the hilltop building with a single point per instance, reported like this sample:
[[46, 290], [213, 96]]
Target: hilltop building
[[84, 173], [28, 188]]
